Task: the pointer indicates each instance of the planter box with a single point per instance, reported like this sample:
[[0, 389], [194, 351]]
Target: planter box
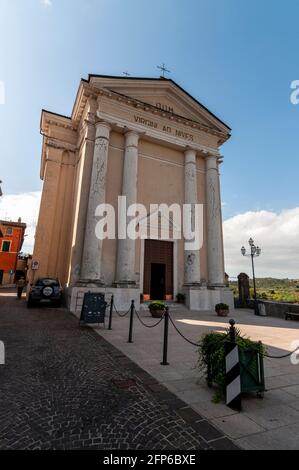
[[222, 313], [251, 371], [157, 313]]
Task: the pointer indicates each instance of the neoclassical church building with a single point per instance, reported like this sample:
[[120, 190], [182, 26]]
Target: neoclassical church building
[[149, 140]]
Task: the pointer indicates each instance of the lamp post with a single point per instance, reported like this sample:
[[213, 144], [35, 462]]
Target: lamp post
[[254, 251]]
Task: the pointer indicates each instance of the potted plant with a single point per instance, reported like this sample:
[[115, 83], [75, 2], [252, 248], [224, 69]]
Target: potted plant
[[212, 362], [157, 308], [222, 310], [180, 298]]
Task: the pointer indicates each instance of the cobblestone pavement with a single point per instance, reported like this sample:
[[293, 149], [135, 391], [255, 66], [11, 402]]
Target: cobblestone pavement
[[65, 387]]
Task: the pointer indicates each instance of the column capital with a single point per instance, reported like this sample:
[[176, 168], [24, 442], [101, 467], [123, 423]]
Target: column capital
[[132, 138], [190, 155], [103, 129], [212, 162]]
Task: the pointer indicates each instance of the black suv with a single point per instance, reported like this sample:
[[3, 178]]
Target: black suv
[[45, 291]]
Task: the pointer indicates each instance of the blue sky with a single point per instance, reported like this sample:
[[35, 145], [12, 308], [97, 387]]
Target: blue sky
[[237, 57]]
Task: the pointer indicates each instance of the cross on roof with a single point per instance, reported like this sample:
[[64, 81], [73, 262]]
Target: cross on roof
[[163, 69], [126, 74]]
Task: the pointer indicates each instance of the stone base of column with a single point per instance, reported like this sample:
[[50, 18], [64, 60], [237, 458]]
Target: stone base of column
[[222, 295], [122, 297], [192, 285], [90, 283], [204, 298], [125, 284], [217, 286], [197, 297]]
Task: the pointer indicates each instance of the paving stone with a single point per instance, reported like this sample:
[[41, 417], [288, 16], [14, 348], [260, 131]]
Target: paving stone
[[65, 387], [189, 415], [237, 426], [283, 438], [224, 444], [206, 430], [270, 417]]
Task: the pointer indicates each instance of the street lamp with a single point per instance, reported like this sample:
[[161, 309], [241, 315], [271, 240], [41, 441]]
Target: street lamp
[[254, 251]]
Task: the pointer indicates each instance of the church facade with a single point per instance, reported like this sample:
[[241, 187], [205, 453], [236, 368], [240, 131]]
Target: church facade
[[150, 141]]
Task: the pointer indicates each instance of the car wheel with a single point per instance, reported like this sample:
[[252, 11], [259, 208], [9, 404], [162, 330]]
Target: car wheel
[[47, 292]]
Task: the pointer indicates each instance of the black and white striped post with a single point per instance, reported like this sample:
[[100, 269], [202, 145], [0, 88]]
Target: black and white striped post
[[232, 368]]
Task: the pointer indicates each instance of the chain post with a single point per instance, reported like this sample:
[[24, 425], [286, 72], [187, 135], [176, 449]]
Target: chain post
[[232, 331], [131, 322], [165, 342], [110, 313]]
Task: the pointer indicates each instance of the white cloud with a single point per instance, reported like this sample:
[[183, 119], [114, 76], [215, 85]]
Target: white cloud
[[276, 233], [46, 3], [26, 206]]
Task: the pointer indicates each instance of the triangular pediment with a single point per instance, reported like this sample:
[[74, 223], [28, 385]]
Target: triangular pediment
[[163, 94]]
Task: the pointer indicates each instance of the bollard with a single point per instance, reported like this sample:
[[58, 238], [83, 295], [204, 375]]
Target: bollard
[[110, 313], [131, 322], [232, 369], [165, 342], [232, 331]]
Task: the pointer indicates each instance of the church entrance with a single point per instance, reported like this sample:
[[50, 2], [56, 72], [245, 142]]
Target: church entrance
[[158, 270], [157, 281]]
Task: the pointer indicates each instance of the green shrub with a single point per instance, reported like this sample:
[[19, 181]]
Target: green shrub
[[157, 305], [221, 306], [180, 297]]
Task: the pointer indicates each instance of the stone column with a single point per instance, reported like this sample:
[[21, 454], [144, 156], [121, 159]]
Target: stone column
[[92, 251], [192, 259], [125, 271], [84, 169], [214, 224]]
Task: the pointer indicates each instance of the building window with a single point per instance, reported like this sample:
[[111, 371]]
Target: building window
[[6, 246], [9, 231]]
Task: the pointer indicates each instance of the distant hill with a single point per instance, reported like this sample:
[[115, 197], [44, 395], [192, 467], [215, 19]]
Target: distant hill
[[270, 288], [272, 283]]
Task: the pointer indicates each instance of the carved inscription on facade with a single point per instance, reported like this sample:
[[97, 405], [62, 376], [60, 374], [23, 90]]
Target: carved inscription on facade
[[168, 129]]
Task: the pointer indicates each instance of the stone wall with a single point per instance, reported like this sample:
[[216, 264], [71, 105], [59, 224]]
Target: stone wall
[[277, 309]]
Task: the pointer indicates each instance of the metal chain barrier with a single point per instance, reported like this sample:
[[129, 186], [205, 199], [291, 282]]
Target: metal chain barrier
[[144, 324], [121, 315], [188, 340], [181, 334], [280, 357]]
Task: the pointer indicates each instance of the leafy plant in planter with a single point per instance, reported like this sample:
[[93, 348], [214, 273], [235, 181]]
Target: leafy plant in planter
[[180, 298], [222, 310], [157, 308], [212, 362]]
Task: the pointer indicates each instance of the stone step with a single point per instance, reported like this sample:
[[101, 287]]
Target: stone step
[[171, 305]]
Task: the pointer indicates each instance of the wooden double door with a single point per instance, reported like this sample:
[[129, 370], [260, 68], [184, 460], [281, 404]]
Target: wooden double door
[[158, 270]]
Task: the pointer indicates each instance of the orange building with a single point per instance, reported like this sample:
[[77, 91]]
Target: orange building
[[11, 241]]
